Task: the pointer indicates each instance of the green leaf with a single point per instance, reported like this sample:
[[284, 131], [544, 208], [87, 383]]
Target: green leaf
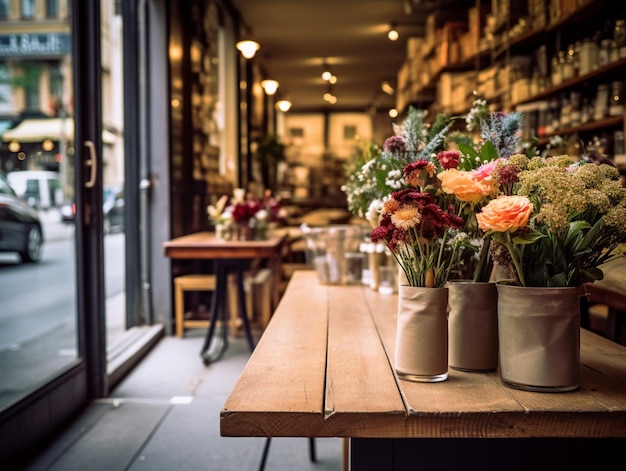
[[527, 237], [468, 151], [593, 234], [488, 152]]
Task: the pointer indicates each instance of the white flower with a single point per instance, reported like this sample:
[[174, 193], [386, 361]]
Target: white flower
[[374, 211], [261, 215]]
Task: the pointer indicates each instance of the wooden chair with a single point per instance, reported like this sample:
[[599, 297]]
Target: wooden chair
[[186, 283]]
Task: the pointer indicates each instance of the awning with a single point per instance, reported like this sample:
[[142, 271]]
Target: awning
[[38, 130]]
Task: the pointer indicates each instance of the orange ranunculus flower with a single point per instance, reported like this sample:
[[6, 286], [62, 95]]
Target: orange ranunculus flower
[[464, 186], [505, 213]]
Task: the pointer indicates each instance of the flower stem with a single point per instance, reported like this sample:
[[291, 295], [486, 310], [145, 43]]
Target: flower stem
[[518, 268]]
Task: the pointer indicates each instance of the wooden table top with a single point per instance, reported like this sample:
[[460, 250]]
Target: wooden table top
[[323, 368], [206, 245]]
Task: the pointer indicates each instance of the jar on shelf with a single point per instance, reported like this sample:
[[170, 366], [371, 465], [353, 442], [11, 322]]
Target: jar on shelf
[[602, 102], [588, 56], [567, 69], [576, 111], [619, 36], [616, 100], [604, 55], [555, 69]]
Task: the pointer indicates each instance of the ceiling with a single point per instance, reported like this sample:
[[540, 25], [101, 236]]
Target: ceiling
[[298, 36]]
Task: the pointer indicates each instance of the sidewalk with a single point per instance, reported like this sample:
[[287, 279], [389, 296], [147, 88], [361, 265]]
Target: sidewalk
[[165, 416]]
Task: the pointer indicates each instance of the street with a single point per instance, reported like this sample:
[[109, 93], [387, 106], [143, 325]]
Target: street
[[38, 307], [36, 297]]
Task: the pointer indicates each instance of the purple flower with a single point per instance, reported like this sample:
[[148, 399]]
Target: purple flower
[[395, 145]]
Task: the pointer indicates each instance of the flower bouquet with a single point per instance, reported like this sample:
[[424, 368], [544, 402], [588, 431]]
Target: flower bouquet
[[561, 221], [243, 217]]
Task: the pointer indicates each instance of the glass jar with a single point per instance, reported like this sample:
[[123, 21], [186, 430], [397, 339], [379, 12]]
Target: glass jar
[[555, 69], [567, 69], [604, 55], [616, 101], [589, 51], [602, 102], [576, 111], [619, 36]]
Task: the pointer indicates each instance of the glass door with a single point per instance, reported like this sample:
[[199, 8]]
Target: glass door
[[52, 325], [113, 175], [38, 312]]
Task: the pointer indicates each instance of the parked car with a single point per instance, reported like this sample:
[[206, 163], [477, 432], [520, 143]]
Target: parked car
[[20, 227], [112, 209], [41, 189]]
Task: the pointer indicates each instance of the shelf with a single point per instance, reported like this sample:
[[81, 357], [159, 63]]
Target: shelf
[[580, 16], [594, 75], [588, 127]]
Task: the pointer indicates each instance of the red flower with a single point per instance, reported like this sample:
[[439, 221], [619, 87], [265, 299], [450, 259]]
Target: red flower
[[449, 159]]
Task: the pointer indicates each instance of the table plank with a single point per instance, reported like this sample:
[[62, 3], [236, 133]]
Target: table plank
[[282, 385], [206, 245], [360, 377]]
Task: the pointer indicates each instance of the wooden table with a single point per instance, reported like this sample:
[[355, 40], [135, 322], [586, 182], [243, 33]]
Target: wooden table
[[228, 256], [323, 368]]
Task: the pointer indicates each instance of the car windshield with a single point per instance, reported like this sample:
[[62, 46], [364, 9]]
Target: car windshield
[[5, 188]]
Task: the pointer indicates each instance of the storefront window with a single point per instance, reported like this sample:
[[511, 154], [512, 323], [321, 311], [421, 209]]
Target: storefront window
[[52, 8], [4, 9], [28, 9]]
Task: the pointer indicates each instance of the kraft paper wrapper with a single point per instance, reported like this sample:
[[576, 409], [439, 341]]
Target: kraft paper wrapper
[[473, 325], [539, 336], [422, 331]]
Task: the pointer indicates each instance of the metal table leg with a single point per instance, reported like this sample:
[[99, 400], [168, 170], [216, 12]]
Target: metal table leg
[[215, 345]]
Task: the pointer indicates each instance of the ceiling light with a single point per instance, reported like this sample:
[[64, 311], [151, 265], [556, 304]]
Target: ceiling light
[[387, 88], [393, 113], [326, 75], [332, 79], [393, 34], [270, 86], [283, 105], [248, 48]]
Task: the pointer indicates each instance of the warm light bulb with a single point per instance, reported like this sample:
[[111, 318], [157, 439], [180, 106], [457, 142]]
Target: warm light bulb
[[393, 35], [283, 105], [270, 86], [248, 48], [326, 75], [393, 113]]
